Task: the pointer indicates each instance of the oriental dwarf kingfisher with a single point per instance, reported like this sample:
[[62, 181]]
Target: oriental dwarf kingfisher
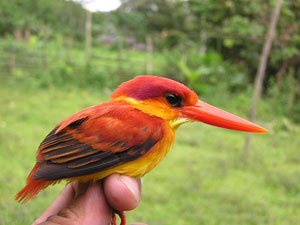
[[130, 134]]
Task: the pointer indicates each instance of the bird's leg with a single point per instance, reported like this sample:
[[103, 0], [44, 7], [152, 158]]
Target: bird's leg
[[122, 216], [113, 219]]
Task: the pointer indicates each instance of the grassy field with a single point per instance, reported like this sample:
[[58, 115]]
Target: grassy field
[[203, 180]]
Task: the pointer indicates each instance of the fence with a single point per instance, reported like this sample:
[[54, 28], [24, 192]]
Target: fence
[[20, 57]]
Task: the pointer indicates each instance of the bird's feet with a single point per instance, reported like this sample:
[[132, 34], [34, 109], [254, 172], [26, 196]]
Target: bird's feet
[[122, 216]]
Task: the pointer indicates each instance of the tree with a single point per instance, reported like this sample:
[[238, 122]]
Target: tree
[[262, 65]]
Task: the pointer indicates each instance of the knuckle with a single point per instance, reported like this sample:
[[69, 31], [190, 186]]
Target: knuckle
[[52, 218], [66, 216], [71, 214]]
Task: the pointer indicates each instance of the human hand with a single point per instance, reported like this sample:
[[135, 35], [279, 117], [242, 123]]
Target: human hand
[[92, 204]]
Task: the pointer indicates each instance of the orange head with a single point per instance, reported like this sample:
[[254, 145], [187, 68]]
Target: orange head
[[174, 102]]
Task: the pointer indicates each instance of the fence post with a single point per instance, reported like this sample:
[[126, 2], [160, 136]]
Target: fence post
[[45, 49], [149, 55], [12, 60], [69, 49], [292, 92], [203, 38], [120, 57], [88, 35]]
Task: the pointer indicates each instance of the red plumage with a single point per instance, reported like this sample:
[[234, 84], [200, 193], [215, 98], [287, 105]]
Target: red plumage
[[90, 141]]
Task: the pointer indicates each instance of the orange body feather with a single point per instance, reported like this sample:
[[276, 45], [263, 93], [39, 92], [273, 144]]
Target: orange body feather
[[75, 147]]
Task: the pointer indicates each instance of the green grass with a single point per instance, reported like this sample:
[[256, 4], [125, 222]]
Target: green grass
[[203, 180]]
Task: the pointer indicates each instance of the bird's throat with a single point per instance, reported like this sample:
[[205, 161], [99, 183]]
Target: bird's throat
[[174, 124]]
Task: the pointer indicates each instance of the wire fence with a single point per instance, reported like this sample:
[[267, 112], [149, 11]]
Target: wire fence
[[16, 57]]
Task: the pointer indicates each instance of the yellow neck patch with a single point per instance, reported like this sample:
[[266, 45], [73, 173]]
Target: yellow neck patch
[[156, 107], [177, 122]]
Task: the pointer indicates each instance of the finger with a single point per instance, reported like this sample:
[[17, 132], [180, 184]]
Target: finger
[[88, 208], [59, 220], [122, 192], [63, 200]]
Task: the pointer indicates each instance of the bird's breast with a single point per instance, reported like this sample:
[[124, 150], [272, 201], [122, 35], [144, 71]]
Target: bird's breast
[[143, 165]]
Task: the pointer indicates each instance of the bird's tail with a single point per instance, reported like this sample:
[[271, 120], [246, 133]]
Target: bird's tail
[[32, 188]]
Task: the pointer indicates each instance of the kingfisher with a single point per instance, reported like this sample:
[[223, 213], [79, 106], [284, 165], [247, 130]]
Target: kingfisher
[[130, 134]]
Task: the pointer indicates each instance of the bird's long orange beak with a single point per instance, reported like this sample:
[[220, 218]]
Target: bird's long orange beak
[[211, 115]]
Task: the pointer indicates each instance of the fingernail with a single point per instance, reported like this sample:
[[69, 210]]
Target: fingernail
[[129, 183]]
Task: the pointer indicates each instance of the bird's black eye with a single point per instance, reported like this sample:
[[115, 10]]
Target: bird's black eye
[[174, 100]]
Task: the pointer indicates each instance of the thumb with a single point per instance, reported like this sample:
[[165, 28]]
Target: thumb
[[88, 208]]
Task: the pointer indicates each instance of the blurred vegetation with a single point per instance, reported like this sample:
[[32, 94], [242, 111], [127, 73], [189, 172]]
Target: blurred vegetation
[[211, 46], [208, 45]]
